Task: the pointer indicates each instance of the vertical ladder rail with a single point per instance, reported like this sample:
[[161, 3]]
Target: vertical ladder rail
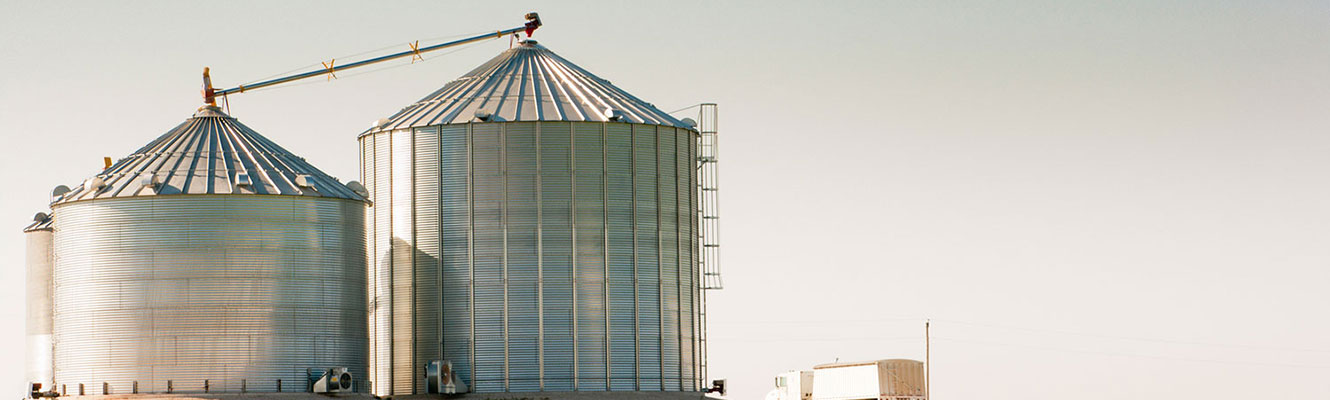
[[709, 185], [709, 220]]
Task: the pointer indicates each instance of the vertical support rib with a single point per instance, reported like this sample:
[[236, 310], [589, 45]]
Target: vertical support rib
[[660, 267], [605, 226], [411, 187], [572, 223], [637, 311], [438, 226], [503, 215], [540, 261], [471, 241], [679, 272], [392, 349]]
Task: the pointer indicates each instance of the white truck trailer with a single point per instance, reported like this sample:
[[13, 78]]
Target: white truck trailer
[[895, 379], [793, 385]]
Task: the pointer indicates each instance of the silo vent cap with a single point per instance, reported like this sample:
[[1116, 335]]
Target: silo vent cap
[[150, 181], [358, 188], [59, 192], [94, 184], [209, 111]]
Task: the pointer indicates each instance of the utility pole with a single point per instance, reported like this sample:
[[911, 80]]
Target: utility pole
[[928, 362]]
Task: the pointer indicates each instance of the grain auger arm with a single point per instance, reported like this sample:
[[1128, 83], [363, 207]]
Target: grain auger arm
[[330, 68]]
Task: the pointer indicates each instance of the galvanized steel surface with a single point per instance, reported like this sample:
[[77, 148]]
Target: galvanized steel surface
[[536, 256], [38, 359], [210, 153], [207, 292], [528, 83]]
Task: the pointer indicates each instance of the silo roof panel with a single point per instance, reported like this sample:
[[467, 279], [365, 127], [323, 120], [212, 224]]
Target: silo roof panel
[[43, 222], [206, 155], [527, 83]]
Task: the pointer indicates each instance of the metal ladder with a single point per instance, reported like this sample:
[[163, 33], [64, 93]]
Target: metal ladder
[[709, 189]]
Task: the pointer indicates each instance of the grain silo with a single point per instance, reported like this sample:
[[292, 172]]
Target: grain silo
[[37, 350], [210, 260], [537, 227]]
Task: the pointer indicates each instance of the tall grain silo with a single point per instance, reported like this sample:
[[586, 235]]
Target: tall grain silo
[[536, 226], [210, 260], [38, 361]]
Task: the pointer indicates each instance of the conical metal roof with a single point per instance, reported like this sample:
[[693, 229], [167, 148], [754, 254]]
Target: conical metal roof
[[528, 83], [210, 153]]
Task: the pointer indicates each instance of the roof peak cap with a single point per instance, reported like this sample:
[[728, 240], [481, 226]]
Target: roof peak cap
[[210, 111]]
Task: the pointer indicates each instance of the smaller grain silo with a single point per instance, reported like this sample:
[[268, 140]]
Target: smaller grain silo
[[37, 352], [211, 260]]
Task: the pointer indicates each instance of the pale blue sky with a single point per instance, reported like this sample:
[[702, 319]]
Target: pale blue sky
[[1093, 200]]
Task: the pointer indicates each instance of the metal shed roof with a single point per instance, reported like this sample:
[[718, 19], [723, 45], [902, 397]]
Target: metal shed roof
[[528, 83], [210, 153]]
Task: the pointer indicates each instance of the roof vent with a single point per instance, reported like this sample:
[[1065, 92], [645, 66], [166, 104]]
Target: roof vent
[[40, 217], [94, 184], [358, 188], [483, 115], [59, 191], [690, 123], [242, 179], [613, 114], [379, 123], [150, 181], [305, 181]]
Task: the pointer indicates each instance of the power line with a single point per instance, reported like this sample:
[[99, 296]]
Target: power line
[[986, 325], [1139, 339], [1255, 363], [822, 321], [806, 339]]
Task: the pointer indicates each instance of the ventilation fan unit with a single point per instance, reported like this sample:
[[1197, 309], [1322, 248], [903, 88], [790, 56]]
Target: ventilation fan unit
[[334, 380]]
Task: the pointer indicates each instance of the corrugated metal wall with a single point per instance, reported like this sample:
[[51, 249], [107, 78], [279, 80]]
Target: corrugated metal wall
[[40, 263], [553, 256], [229, 289]]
